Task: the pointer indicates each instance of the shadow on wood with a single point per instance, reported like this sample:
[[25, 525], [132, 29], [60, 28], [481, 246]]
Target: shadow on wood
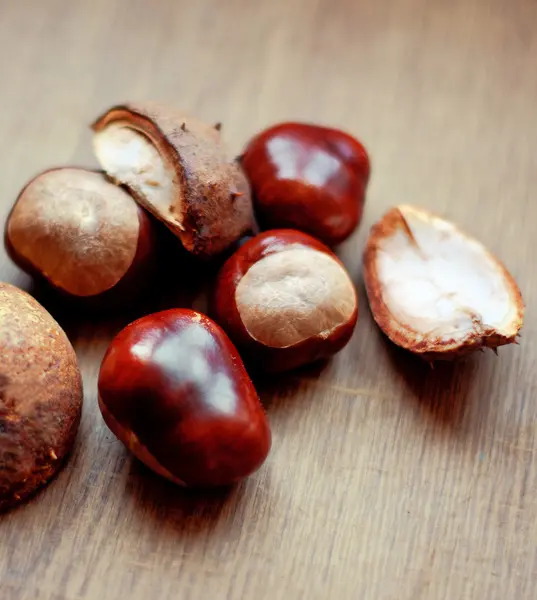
[[189, 512], [178, 282], [279, 391], [441, 391]]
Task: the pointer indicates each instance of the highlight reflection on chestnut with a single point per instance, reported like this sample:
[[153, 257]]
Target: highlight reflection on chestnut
[[308, 177], [174, 390], [286, 300]]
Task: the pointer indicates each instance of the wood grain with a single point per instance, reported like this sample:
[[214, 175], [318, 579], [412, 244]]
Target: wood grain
[[387, 480]]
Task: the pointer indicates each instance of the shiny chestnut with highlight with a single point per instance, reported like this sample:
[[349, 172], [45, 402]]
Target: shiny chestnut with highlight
[[174, 390], [308, 177], [84, 235], [286, 300]]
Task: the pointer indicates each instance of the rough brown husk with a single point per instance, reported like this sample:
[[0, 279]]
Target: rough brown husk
[[402, 334], [40, 396], [213, 206]]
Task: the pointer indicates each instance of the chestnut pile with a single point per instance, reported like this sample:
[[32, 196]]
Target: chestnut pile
[[172, 385]]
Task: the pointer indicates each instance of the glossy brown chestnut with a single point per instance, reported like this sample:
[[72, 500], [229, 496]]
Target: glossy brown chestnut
[[84, 235], [286, 300], [308, 177], [174, 390]]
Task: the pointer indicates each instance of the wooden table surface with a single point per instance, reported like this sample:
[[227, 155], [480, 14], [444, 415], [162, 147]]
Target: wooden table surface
[[387, 481]]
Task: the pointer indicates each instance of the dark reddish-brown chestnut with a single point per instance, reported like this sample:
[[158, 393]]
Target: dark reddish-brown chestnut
[[286, 300], [308, 177], [84, 235], [174, 390]]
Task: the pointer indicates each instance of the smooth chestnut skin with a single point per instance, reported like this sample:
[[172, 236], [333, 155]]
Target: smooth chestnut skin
[[174, 390], [225, 310], [57, 238], [308, 177]]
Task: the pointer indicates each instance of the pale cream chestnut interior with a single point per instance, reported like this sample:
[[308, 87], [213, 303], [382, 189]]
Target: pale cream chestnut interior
[[443, 284], [292, 295], [79, 230], [131, 158]]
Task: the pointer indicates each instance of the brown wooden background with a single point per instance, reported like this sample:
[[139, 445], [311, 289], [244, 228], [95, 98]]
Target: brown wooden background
[[386, 480]]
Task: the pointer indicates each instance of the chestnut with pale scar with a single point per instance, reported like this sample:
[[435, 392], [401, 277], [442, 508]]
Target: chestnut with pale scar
[[286, 299], [83, 234], [435, 290], [303, 293]]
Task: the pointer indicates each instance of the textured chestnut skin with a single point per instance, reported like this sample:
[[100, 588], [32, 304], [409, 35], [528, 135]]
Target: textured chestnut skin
[[133, 281], [308, 177], [174, 390], [40, 396], [211, 206], [224, 306]]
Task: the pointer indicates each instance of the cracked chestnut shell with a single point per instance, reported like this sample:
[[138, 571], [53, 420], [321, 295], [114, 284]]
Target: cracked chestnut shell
[[179, 169], [286, 300], [174, 390], [308, 177], [436, 291], [40, 396], [84, 235]]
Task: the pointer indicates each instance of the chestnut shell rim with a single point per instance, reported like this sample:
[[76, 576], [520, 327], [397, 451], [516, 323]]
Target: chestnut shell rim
[[123, 116], [402, 334]]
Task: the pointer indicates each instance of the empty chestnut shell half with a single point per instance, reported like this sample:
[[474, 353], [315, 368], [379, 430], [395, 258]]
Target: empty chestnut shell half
[[435, 290], [308, 177], [286, 300], [84, 235], [174, 390], [179, 169]]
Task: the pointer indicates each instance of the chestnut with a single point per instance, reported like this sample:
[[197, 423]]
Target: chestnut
[[179, 169], [174, 390], [308, 177], [40, 396], [84, 235], [286, 300]]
